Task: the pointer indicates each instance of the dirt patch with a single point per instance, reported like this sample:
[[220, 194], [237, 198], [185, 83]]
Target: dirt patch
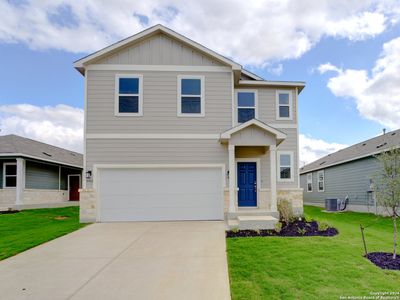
[[296, 228], [5, 212], [384, 260], [60, 218]]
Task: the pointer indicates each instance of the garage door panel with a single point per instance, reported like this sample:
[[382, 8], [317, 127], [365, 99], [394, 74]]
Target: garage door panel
[[160, 194]]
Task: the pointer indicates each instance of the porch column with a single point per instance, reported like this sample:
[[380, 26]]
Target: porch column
[[19, 190], [232, 178], [272, 159]]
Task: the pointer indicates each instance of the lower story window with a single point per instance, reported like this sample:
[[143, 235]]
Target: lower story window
[[10, 175], [285, 170], [309, 182]]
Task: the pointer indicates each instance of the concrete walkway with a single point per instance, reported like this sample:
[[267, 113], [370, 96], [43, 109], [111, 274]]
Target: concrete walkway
[[148, 260]]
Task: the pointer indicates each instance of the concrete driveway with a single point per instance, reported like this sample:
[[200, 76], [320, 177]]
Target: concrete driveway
[[147, 260]]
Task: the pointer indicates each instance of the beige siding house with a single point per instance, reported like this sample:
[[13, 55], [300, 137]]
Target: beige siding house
[[175, 131]]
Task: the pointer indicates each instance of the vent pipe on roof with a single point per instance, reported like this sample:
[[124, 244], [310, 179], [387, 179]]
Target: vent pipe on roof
[[384, 131]]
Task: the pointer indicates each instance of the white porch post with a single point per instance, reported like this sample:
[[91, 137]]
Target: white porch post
[[19, 191], [272, 159], [232, 178]]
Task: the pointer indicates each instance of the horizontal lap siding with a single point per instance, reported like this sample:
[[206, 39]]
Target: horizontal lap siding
[[163, 151], [352, 179], [41, 176], [267, 106], [159, 104]]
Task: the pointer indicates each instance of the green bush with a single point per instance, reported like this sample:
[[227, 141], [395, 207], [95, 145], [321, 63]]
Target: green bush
[[278, 227], [322, 226], [285, 211], [235, 229], [302, 231]]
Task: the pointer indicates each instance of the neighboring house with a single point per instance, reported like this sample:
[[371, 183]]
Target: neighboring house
[[35, 174], [347, 172], [175, 131]]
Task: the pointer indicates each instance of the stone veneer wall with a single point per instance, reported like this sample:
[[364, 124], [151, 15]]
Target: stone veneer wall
[[42, 196], [87, 211], [7, 198], [295, 197]]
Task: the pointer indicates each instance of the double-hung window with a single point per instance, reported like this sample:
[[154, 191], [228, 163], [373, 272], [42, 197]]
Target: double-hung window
[[128, 95], [309, 182], [10, 175], [285, 170], [321, 181], [284, 105], [246, 105], [190, 96]]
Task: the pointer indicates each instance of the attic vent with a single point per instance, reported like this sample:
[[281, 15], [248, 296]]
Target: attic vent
[[73, 154], [393, 133], [45, 153], [363, 144], [381, 145], [322, 163]]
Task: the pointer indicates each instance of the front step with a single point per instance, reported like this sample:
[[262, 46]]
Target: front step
[[252, 222], [249, 212]]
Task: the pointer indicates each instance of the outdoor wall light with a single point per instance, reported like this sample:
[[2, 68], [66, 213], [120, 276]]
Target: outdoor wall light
[[88, 174]]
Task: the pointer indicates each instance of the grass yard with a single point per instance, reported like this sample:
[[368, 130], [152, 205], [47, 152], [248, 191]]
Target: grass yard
[[29, 228], [313, 267]]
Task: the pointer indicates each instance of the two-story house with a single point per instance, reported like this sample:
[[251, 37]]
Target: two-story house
[[175, 131]]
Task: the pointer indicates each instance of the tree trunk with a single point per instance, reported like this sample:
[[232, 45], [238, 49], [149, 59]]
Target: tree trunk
[[395, 236]]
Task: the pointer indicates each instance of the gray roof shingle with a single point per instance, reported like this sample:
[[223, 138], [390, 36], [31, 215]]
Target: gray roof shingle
[[359, 150], [17, 144]]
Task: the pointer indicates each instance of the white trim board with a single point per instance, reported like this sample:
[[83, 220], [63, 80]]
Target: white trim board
[[39, 158], [117, 94], [158, 68], [188, 136]]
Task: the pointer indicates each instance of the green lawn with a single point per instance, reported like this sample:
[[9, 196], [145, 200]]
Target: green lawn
[[313, 267], [29, 228]]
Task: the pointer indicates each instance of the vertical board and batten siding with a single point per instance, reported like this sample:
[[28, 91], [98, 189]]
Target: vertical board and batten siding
[[159, 104], [41, 176], [352, 179], [159, 49]]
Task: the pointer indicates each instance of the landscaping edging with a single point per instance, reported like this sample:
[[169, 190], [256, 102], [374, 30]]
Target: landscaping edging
[[298, 228], [384, 260]]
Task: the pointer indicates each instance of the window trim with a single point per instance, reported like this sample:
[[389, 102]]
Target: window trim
[[117, 113], [290, 92], [179, 97], [4, 175], [291, 153], [309, 181], [323, 181], [237, 91]]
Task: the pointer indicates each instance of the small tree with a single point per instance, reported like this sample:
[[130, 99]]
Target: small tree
[[387, 187]]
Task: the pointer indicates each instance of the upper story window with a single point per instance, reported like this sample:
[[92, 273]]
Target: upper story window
[[10, 175], [285, 170], [321, 181], [309, 182], [128, 95], [191, 96], [246, 105], [284, 105]]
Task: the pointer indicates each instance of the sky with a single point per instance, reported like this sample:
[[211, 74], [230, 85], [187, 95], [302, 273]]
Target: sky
[[347, 52]]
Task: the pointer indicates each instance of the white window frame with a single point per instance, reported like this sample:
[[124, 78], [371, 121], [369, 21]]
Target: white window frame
[[291, 153], [290, 104], [117, 94], [309, 181], [4, 175], [179, 98], [323, 181], [237, 91]]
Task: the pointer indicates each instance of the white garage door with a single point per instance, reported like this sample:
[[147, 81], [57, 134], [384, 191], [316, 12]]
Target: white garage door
[[160, 194]]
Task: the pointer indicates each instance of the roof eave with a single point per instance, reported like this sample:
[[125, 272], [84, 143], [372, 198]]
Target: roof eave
[[299, 84]]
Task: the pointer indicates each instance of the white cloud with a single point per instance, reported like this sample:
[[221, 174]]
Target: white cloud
[[252, 32], [276, 70], [59, 125], [327, 68], [376, 92], [312, 149]]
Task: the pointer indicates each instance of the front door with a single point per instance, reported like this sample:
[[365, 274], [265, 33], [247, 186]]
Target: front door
[[74, 183], [247, 183]]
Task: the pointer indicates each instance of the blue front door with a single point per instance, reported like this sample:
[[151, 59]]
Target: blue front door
[[247, 183]]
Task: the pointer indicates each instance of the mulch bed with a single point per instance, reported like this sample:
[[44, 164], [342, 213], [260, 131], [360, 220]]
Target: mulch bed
[[384, 260], [5, 212], [296, 228]]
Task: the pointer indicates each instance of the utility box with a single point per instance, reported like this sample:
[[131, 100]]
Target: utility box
[[331, 204]]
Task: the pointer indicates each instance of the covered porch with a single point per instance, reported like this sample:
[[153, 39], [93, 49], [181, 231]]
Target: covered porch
[[251, 196]]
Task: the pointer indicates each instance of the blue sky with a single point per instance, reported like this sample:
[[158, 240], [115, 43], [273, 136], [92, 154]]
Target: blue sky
[[37, 64]]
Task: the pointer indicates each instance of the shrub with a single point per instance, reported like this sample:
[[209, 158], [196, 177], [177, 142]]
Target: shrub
[[322, 226], [308, 219], [235, 229], [302, 231], [285, 211], [278, 227]]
